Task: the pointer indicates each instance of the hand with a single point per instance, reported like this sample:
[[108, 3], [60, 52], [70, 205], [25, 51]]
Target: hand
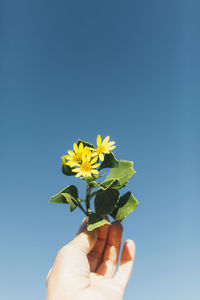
[[85, 268]]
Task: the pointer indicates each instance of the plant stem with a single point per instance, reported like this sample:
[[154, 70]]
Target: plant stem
[[81, 207], [93, 194], [95, 177], [87, 200]]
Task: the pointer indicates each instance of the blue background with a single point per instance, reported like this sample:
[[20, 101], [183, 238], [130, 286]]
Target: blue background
[[128, 69]]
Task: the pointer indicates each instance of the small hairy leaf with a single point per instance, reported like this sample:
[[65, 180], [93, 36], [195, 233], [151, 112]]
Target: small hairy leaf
[[109, 161], [105, 201], [85, 144], [67, 170], [68, 195], [126, 204], [73, 202], [123, 172], [108, 184], [95, 221]]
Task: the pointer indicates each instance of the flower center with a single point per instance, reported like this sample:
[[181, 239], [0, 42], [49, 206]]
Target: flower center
[[78, 157], [86, 167], [100, 149]]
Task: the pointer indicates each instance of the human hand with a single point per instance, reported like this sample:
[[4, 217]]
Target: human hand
[[85, 268]]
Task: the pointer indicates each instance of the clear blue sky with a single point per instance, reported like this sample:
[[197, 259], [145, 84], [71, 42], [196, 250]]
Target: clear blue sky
[[128, 69]]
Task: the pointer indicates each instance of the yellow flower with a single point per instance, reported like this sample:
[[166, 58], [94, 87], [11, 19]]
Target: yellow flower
[[88, 166], [75, 157], [103, 147]]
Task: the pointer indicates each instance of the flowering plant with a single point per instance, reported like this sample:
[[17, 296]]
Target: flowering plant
[[85, 161]]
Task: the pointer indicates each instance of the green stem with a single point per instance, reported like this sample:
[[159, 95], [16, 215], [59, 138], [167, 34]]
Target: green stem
[[88, 195], [87, 200], [81, 207], [85, 212], [95, 177], [93, 194]]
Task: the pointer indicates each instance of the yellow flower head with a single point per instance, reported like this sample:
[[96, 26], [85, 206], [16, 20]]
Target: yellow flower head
[[88, 166], [103, 147], [75, 157]]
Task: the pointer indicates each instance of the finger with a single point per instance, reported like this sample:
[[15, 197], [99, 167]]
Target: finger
[[123, 273], [49, 273], [109, 263], [83, 225], [95, 256], [72, 258]]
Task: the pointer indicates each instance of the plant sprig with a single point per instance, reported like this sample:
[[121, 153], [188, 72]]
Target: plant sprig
[[85, 161]]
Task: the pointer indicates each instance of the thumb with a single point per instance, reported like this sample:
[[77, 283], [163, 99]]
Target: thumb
[[84, 240], [72, 255], [71, 267]]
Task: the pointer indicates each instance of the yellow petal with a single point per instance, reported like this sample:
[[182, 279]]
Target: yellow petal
[[81, 147], [71, 153], [98, 140], [95, 166], [85, 150], [63, 159], [76, 170], [94, 172], [105, 141], [101, 156], [68, 157], [94, 160], [88, 156], [78, 174], [107, 151], [110, 143], [86, 174], [112, 147], [94, 154], [84, 158], [75, 148], [71, 164]]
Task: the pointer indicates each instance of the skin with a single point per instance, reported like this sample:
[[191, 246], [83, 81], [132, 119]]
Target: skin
[[86, 267]]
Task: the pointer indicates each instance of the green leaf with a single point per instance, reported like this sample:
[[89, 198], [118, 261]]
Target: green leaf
[[126, 204], [67, 170], [73, 202], [123, 173], [85, 144], [108, 184], [68, 195], [109, 161], [105, 201], [58, 198], [95, 221]]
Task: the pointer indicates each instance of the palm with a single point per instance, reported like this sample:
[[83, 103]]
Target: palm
[[104, 288]]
